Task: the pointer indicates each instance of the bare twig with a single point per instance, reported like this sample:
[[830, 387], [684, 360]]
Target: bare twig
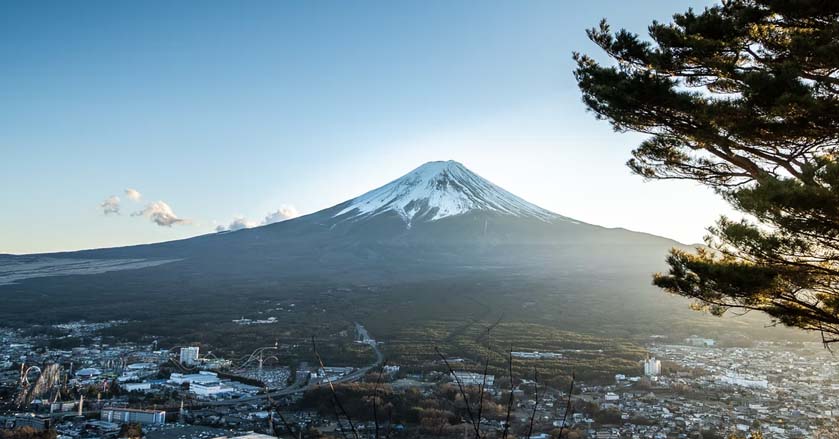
[[510, 399], [567, 405], [489, 329], [376, 397], [332, 389], [276, 408], [286, 424], [389, 422], [462, 392], [481, 390], [338, 417], [536, 397]]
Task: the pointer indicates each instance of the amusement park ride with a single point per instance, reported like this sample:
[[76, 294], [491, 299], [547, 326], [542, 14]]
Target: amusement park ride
[[36, 382], [258, 356], [39, 381]]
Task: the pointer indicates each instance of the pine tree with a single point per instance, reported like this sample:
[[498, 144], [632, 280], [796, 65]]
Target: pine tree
[[742, 97]]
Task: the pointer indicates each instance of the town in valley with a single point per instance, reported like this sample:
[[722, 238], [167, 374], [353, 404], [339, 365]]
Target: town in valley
[[684, 388]]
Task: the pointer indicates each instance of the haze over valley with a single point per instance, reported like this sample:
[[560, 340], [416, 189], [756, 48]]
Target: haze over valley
[[440, 232]]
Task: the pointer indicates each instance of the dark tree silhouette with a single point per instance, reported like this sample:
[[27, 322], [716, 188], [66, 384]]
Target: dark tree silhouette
[[742, 97]]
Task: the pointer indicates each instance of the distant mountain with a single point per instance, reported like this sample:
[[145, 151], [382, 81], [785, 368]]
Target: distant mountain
[[440, 215], [438, 223]]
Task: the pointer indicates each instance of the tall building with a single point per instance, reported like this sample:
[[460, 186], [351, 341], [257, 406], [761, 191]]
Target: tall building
[[189, 355], [652, 367], [735, 379]]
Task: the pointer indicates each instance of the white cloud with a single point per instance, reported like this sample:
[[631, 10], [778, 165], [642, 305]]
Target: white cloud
[[110, 205], [161, 214], [133, 194], [238, 223], [283, 213]]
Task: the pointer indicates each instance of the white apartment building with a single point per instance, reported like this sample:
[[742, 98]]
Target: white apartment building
[[652, 367], [189, 355]]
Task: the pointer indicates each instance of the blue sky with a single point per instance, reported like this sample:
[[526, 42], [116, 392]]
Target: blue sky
[[233, 109]]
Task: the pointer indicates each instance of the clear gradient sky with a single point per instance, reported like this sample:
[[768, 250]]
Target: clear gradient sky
[[233, 109]]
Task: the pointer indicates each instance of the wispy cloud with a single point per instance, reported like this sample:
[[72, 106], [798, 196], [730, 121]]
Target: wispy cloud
[[161, 214], [285, 212], [133, 194], [110, 205]]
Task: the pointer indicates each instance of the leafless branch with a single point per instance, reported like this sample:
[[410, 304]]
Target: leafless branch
[[376, 397], [337, 401], [510, 399], [475, 425], [536, 397], [567, 405]]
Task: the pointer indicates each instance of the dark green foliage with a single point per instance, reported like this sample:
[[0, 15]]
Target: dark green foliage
[[131, 431], [27, 433], [608, 416], [444, 405], [742, 97]]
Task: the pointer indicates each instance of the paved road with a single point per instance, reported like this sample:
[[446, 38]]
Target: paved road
[[297, 387]]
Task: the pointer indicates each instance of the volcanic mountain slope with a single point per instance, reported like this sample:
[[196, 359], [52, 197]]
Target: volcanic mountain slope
[[440, 214], [438, 223]]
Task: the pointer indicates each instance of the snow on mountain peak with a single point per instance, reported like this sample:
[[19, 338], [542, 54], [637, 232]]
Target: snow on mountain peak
[[438, 190]]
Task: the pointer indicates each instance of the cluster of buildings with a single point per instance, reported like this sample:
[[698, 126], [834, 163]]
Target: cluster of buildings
[[535, 355], [206, 384], [680, 390], [96, 364], [245, 322], [112, 384], [783, 390], [695, 340], [86, 391], [784, 387], [329, 374], [155, 424], [473, 379]]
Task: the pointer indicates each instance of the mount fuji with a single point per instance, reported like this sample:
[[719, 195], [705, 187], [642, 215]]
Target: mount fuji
[[438, 223], [438, 190]]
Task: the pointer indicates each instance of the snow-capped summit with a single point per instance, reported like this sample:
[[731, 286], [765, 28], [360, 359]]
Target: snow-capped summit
[[438, 190]]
